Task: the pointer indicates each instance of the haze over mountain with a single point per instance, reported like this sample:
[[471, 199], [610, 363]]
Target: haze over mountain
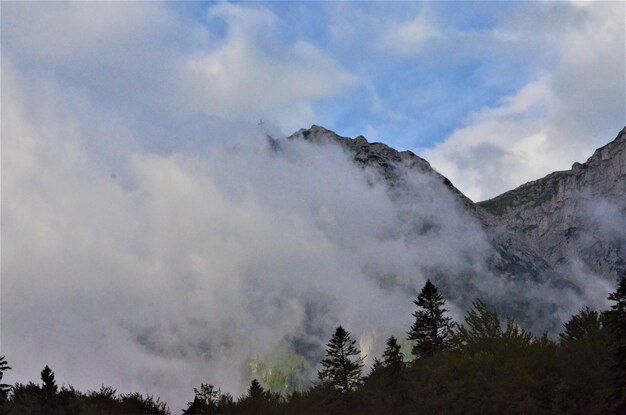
[[576, 214], [563, 230], [153, 240]]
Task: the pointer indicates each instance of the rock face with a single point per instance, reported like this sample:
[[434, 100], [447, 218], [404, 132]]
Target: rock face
[[575, 214], [510, 258]]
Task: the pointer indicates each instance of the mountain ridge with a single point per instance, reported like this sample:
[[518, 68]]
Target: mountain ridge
[[519, 250], [552, 213]]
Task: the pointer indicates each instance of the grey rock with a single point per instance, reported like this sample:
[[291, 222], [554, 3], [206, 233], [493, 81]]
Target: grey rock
[[574, 214], [511, 257], [577, 214]]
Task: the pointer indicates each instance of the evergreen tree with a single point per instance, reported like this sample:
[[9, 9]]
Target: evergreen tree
[[430, 329], [616, 324], [395, 387], [258, 400], [4, 388], [48, 388], [393, 356], [49, 385], [255, 390], [342, 364]]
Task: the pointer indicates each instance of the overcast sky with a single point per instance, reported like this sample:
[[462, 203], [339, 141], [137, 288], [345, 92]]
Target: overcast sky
[[150, 240]]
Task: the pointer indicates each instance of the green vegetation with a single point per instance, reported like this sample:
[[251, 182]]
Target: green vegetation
[[479, 366], [431, 327]]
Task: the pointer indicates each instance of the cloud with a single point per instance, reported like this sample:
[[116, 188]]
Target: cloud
[[152, 269], [557, 118], [250, 74], [151, 63], [408, 37], [196, 263]]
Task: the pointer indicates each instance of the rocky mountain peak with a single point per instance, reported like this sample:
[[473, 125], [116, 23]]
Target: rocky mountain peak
[[578, 213], [385, 159]]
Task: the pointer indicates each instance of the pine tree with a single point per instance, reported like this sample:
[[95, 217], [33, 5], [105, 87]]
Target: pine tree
[[395, 388], [255, 391], [342, 364], [48, 389], [393, 356], [258, 400], [430, 329], [4, 388], [49, 385], [616, 324]]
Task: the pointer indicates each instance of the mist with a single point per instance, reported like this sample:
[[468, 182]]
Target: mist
[[161, 271], [152, 242]]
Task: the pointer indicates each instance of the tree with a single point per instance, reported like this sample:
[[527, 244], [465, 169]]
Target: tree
[[616, 324], [395, 388], [431, 327], [584, 361], [49, 385], [255, 390], [482, 331], [205, 401], [4, 388], [342, 364], [258, 400], [581, 327], [48, 388], [393, 356]]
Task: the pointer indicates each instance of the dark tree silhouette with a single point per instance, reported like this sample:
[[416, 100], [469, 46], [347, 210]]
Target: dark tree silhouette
[[395, 388], [205, 401], [4, 388], [258, 400], [616, 324], [255, 390], [48, 388], [392, 356], [47, 377], [342, 364], [430, 329]]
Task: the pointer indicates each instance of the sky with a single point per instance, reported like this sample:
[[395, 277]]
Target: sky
[[493, 94], [151, 242]]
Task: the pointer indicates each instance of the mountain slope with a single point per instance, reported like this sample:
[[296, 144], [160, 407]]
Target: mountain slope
[[510, 257], [578, 214]]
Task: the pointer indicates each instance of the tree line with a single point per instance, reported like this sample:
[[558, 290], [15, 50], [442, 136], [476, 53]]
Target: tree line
[[481, 365]]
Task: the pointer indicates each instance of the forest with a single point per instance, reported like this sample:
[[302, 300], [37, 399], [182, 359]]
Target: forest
[[482, 365]]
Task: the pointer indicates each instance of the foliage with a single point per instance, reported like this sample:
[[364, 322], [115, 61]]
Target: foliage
[[616, 325], [47, 399], [483, 366], [342, 364], [430, 329], [4, 388]]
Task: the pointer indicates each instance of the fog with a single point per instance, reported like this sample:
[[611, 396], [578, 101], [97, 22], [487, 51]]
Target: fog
[[160, 271], [150, 245]]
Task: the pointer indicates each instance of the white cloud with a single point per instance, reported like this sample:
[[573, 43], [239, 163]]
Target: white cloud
[[148, 62], [242, 78], [556, 119], [197, 262], [176, 270], [408, 37]]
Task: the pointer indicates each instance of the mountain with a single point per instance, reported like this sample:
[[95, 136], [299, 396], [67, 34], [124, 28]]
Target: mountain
[[578, 213], [511, 256], [540, 234]]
